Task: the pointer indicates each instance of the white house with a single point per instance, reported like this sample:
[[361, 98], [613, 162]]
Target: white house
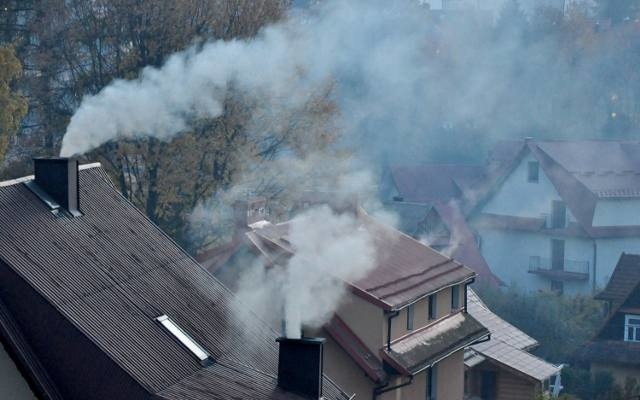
[[560, 213]]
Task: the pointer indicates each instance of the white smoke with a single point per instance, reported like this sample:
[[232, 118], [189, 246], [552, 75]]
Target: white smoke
[[330, 249]]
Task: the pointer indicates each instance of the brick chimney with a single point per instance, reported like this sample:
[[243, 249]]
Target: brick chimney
[[300, 365]]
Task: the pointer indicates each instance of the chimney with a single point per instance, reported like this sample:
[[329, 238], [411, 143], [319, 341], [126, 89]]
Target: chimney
[[300, 365], [58, 179]]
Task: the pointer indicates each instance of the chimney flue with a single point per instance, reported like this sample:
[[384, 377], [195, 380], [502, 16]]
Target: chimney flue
[[58, 178], [300, 366]]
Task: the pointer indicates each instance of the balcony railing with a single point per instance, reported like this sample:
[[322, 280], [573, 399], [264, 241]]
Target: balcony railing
[[564, 269]]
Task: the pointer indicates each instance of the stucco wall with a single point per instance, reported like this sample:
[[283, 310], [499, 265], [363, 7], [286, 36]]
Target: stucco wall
[[617, 212], [341, 368], [609, 251], [12, 385], [365, 320], [451, 377], [508, 252], [521, 198]]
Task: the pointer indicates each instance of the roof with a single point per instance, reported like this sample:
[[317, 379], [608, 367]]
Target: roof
[[112, 271], [499, 328], [607, 351], [406, 270], [465, 249], [625, 278], [370, 363], [434, 182], [582, 171], [426, 346], [508, 345]]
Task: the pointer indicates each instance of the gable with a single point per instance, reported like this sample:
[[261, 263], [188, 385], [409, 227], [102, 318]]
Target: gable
[[516, 196]]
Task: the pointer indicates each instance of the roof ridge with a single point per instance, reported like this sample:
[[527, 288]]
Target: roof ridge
[[15, 181]]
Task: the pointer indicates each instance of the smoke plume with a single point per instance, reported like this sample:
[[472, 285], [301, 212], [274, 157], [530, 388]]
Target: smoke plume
[[329, 249]]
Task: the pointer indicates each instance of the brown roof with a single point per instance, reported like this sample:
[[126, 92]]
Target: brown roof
[[466, 250], [434, 182], [111, 271], [625, 278], [406, 269], [426, 346]]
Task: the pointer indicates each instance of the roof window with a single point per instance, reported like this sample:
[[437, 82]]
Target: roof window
[[186, 340]]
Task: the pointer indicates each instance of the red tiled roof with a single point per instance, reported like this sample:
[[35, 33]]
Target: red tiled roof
[[466, 250], [406, 269]]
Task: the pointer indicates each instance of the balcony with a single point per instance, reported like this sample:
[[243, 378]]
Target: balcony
[[562, 269]]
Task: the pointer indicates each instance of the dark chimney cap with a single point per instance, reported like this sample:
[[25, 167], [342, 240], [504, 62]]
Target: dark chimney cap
[[300, 365], [58, 178]]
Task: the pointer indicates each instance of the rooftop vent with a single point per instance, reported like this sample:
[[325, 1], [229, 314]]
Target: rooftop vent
[[300, 365], [57, 183]]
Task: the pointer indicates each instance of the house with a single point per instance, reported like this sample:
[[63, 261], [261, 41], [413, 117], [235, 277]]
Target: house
[[616, 347], [430, 201], [566, 210], [400, 331], [96, 302], [502, 367]]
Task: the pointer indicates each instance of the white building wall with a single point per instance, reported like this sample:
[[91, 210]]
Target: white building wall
[[508, 252], [518, 197], [617, 212]]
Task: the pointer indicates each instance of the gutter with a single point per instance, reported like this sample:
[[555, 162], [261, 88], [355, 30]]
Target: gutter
[[595, 259], [481, 339], [391, 315], [378, 390]]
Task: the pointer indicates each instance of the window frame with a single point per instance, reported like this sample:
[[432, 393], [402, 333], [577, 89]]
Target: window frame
[[432, 307], [182, 337], [410, 316], [635, 326], [533, 172], [455, 297]]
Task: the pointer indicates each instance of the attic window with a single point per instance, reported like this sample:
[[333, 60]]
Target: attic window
[[186, 340], [532, 171]]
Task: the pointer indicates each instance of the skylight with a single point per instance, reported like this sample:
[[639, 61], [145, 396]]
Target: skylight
[[185, 339]]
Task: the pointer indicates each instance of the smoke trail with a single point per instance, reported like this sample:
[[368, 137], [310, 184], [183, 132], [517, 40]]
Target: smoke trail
[[330, 249]]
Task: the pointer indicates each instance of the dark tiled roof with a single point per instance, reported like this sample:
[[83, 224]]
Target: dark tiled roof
[[625, 277], [615, 351], [434, 182], [111, 271], [406, 269], [424, 347], [358, 351]]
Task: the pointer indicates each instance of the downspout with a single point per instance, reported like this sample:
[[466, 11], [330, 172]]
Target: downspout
[[392, 314], [595, 258], [466, 288], [377, 391]]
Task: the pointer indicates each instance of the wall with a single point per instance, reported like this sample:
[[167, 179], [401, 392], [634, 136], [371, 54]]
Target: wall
[[341, 368], [617, 212], [508, 252], [451, 377], [609, 251], [619, 372], [365, 320], [518, 197], [12, 383]]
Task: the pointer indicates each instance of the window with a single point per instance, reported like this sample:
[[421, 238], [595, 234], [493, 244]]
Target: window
[[432, 383], [185, 339], [455, 297], [410, 317], [558, 214], [532, 171], [433, 307], [632, 328]]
